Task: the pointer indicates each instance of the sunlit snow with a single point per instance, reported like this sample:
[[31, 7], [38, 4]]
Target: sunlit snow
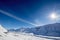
[[22, 36]]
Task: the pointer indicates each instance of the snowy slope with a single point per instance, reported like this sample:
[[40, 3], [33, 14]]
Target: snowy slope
[[2, 31], [19, 37], [16, 36], [22, 36]]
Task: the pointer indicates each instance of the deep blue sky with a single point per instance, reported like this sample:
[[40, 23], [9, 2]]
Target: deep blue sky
[[34, 11]]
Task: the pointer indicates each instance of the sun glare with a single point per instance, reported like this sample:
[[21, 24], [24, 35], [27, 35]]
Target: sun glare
[[53, 16]]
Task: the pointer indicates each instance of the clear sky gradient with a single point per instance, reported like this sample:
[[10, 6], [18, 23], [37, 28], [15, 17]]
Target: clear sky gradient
[[27, 13]]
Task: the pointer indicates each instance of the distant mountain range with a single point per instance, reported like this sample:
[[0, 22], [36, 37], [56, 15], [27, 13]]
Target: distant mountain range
[[5, 35], [48, 30]]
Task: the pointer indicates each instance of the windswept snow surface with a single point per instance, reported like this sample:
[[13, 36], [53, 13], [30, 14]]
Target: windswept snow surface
[[4, 35], [20, 36]]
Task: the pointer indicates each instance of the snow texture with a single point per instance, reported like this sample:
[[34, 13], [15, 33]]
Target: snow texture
[[22, 36]]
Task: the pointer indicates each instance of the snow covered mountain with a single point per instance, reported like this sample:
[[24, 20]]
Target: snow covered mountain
[[48, 30], [22, 36], [17, 36]]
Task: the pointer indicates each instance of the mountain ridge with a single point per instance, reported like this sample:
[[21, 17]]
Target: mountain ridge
[[48, 30]]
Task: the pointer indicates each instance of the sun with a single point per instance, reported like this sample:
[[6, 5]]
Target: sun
[[53, 16]]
